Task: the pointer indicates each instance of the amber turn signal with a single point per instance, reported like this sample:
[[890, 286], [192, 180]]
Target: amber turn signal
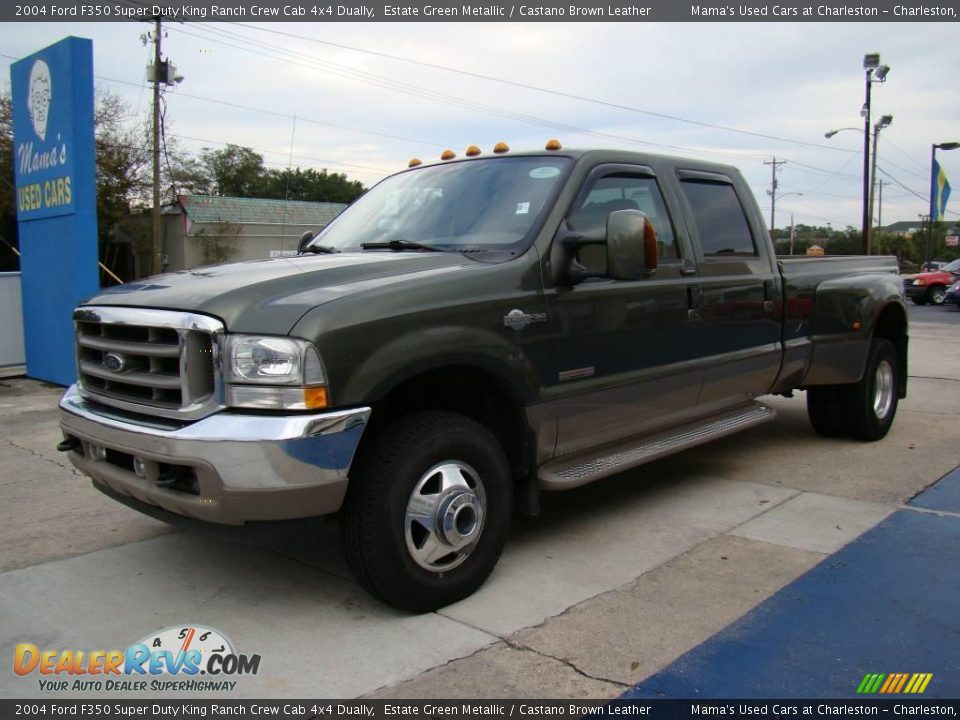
[[315, 397]]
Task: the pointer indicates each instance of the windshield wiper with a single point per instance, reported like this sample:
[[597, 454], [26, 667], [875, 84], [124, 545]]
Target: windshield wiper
[[399, 245], [320, 249]]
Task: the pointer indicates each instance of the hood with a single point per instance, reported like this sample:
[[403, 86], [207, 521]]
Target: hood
[[271, 295]]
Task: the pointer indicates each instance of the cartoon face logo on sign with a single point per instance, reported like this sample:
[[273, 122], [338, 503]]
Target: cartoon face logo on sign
[[39, 94]]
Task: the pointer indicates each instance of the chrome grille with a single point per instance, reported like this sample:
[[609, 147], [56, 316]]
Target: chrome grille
[[153, 361]]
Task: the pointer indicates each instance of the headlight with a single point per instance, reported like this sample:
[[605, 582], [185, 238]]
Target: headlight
[[270, 373], [918, 281]]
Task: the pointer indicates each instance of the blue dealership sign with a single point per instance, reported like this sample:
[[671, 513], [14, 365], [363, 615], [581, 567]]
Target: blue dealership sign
[[55, 173]]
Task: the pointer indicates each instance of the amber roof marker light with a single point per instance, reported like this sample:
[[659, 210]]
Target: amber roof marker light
[[553, 144], [447, 155], [473, 151], [414, 162], [500, 148]]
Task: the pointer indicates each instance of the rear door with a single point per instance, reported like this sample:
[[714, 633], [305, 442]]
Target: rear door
[[736, 319]]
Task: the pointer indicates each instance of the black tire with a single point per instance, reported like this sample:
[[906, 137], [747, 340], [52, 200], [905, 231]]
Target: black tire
[[919, 299], [825, 410], [411, 458], [936, 294], [871, 404]]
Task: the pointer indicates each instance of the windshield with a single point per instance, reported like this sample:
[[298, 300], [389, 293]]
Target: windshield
[[952, 266], [491, 204]]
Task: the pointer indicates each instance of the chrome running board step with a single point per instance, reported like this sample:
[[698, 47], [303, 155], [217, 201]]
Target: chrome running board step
[[572, 472]]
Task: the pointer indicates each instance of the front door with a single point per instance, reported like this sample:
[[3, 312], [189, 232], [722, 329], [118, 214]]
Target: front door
[[622, 354]]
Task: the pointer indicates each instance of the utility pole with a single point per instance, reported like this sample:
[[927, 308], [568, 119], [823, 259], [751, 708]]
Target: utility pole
[[792, 233], [773, 191], [156, 257], [880, 183]]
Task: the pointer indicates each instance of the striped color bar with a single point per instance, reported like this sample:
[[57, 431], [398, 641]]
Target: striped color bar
[[894, 683]]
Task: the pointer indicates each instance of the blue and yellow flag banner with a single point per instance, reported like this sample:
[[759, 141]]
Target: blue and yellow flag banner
[[939, 191]]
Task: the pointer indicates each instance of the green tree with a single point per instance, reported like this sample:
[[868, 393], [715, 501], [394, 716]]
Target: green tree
[[310, 184], [8, 200], [124, 161], [239, 171], [235, 171]]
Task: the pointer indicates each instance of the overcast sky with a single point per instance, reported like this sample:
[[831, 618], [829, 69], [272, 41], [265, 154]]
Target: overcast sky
[[793, 81]]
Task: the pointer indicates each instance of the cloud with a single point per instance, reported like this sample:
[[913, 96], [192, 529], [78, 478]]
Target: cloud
[[790, 80]]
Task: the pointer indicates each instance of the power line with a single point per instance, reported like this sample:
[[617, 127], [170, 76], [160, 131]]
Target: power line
[[275, 113], [238, 106], [439, 97], [895, 180], [549, 91], [888, 141], [407, 88], [397, 86], [809, 215]]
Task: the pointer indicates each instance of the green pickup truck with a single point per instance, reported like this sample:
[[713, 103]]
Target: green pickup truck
[[468, 334]]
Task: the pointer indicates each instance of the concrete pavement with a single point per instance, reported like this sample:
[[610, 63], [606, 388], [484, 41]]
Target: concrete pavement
[[611, 584]]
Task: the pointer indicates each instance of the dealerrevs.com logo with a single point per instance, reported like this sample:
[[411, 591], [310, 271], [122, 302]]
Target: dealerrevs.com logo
[[180, 658]]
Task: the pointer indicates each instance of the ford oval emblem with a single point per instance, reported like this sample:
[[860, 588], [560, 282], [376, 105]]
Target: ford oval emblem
[[114, 362]]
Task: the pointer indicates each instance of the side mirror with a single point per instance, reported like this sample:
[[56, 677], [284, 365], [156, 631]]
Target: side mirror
[[631, 245], [304, 241]]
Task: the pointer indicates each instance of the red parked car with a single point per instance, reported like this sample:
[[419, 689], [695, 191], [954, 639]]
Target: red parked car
[[931, 287]]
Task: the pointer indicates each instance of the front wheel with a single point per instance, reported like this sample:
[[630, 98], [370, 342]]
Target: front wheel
[[936, 294], [427, 511], [871, 404]]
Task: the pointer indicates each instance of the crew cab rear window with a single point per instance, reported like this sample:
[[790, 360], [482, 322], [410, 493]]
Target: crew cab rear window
[[721, 223]]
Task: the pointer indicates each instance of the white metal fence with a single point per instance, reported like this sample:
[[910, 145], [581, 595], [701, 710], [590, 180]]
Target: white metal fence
[[12, 357]]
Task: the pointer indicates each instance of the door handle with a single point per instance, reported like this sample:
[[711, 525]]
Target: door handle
[[694, 300], [768, 303], [688, 271]]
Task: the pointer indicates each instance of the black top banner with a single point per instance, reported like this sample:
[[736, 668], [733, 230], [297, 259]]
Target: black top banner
[[484, 11], [485, 708]]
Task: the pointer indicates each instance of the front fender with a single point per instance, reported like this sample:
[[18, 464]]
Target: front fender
[[417, 352]]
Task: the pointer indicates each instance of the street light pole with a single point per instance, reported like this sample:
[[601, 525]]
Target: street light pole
[[865, 222], [934, 210], [880, 125], [880, 184], [873, 72]]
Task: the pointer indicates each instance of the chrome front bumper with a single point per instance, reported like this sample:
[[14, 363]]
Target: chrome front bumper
[[228, 468]]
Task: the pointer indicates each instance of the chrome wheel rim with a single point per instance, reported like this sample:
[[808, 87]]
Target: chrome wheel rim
[[444, 516], [937, 296], [883, 390]]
